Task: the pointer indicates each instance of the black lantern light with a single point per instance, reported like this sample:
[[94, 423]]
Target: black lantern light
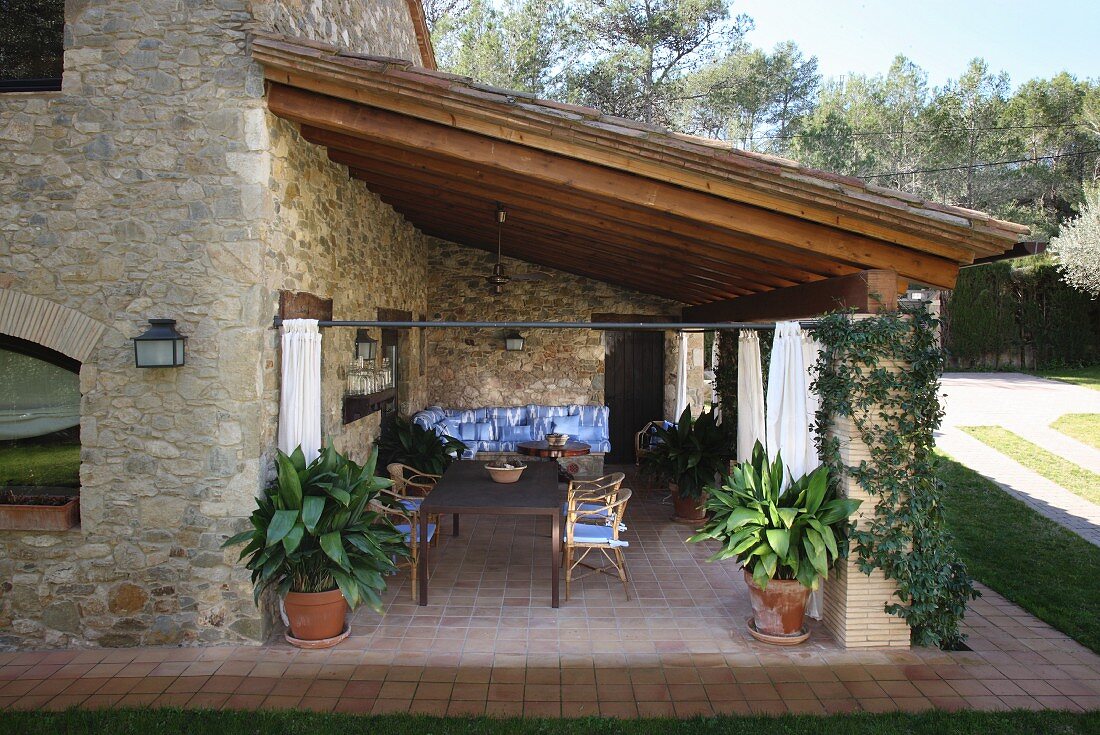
[[513, 342], [365, 346], [160, 346]]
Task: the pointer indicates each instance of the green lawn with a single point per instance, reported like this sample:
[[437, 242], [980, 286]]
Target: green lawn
[[1062, 472], [1088, 376], [1084, 427], [40, 464], [1031, 560], [176, 722]]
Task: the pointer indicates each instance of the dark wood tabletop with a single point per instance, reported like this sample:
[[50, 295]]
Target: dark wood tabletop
[[467, 488], [543, 449]]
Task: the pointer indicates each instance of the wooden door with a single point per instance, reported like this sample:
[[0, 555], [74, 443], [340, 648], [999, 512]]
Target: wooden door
[[633, 387]]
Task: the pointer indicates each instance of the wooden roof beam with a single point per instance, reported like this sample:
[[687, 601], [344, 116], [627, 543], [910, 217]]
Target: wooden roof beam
[[868, 292]]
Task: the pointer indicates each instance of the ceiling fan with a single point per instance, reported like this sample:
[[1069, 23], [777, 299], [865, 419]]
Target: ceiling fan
[[498, 278]]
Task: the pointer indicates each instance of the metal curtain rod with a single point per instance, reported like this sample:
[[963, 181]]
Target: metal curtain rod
[[609, 326]]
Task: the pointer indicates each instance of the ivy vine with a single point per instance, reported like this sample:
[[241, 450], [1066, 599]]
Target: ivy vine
[[895, 413]]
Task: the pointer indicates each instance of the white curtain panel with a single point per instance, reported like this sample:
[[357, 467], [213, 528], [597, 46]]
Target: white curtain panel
[[681, 376], [300, 396], [785, 423], [750, 394], [811, 351]]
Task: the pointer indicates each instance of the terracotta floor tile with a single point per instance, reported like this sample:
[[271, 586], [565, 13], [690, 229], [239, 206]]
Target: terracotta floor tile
[[513, 708], [759, 692], [541, 709], [244, 701], [836, 706], [505, 692], [207, 700], [653, 709], [865, 689], [397, 690], [877, 704], [948, 703], [280, 701], [178, 699], [912, 704], [390, 706], [897, 689], [541, 693], [693, 709], [652, 693], [767, 707], [64, 701], [580, 708], [84, 686]]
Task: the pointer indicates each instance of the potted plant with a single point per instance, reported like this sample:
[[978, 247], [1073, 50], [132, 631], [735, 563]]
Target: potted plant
[[786, 539], [688, 456], [317, 543], [409, 443]]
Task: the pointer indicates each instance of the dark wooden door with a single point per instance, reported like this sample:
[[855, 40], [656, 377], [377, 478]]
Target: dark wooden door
[[633, 387]]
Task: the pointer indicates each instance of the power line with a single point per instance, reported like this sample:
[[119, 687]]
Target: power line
[[918, 131], [981, 165]]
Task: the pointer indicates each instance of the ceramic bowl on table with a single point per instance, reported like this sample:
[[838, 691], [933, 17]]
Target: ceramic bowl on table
[[557, 440], [505, 472]]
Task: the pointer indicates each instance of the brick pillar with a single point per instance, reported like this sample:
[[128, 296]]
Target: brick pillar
[[854, 601]]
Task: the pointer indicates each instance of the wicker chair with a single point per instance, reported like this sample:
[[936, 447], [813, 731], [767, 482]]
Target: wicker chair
[[411, 485], [642, 441], [595, 489], [596, 529], [406, 521]]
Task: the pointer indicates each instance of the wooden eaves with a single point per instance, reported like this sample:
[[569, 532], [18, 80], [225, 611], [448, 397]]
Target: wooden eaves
[[612, 199]]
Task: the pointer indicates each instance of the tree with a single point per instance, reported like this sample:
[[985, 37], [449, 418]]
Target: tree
[[1077, 247], [639, 53]]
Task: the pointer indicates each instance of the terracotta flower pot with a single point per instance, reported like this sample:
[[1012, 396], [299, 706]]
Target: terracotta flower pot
[[315, 616], [687, 510], [62, 513], [780, 609]]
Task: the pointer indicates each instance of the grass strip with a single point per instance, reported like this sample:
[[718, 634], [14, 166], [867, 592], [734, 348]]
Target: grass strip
[[1062, 472], [40, 464], [1084, 427], [1029, 559], [178, 722], [1087, 376]]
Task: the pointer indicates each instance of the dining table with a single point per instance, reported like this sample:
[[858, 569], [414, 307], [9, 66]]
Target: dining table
[[467, 489]]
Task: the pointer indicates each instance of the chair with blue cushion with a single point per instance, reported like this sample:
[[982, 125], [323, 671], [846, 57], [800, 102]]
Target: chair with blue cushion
[[596, 529], [590, 493], [410, 485], [407, 522]]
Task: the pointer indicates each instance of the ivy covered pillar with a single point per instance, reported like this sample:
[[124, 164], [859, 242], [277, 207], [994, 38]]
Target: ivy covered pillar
[[855, 603], [878, 385]]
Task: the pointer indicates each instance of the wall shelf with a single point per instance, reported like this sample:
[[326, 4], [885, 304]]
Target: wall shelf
[[360, 406]]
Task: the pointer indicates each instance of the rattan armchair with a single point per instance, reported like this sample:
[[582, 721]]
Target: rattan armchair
[[596, 529], [391, 505]]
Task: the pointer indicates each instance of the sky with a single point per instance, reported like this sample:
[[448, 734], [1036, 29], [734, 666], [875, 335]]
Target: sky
[[1036, 38]]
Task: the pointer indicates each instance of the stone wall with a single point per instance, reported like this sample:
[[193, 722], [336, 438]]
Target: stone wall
[[330, 236], [144, 189], [379, 27], [470, 368]]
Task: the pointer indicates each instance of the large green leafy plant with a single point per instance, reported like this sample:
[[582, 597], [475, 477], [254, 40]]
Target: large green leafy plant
[[691, 453], [313, 530], [407, 442], [793, 533]]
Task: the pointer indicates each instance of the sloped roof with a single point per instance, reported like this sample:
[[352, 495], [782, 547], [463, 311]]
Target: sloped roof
[[603, 196]]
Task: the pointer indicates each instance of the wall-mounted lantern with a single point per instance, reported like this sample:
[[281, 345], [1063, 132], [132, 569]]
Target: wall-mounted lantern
[[513, 342], [160, 346], [366, 347]]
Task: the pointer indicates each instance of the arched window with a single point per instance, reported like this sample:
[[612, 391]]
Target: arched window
[[39, 416]]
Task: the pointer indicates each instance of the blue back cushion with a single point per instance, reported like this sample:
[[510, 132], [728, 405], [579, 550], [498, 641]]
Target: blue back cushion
[[570, 425], [521, 433]]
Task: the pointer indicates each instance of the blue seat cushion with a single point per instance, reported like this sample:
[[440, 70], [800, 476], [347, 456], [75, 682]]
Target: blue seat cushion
[[585, 533], [403, 528]]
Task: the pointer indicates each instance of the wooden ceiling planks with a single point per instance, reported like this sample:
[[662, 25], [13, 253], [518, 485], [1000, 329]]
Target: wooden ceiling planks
[[715, 166], [391, 129], [442, 150]]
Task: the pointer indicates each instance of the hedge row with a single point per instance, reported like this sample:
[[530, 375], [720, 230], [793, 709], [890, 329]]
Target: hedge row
[[1019, 314]]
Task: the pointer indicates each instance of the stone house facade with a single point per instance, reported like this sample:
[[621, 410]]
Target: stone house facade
[[155, 183]]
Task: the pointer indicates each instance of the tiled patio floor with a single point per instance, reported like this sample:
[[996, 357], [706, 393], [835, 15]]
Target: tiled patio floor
[[489, 642]]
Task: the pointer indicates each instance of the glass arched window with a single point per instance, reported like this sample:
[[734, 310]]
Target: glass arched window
[[39, 415]]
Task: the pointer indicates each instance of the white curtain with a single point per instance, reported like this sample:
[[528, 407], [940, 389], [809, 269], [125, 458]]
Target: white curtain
[[811, 351], [786, 426], [300, 397], [750, 394], [681, 376]]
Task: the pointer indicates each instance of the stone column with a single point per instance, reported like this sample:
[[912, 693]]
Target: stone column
[[854, 609]]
